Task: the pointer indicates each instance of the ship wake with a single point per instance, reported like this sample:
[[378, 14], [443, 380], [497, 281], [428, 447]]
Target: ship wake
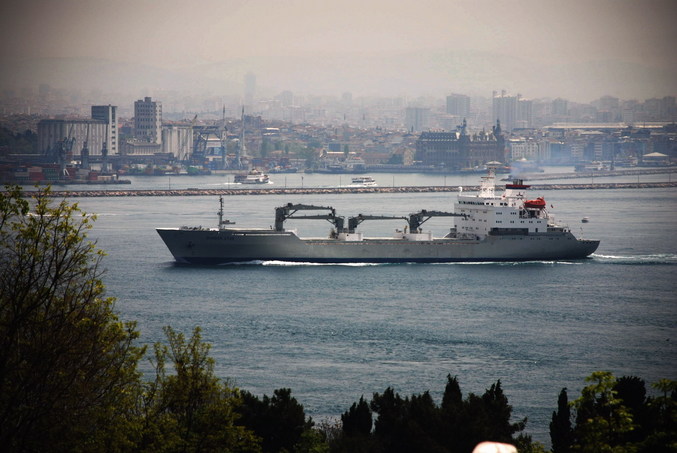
[[658, 258]]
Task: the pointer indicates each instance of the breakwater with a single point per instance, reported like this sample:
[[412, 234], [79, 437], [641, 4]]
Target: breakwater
[[338, 190]]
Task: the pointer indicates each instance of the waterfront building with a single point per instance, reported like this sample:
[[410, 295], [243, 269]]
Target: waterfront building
[[81, 133], [177, 140], [458, 150], [148, 121], [528, 149]]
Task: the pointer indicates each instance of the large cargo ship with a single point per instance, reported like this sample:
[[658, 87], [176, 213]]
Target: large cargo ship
[[488, 227]]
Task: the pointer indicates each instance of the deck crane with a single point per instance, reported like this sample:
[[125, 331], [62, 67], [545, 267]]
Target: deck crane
[[289, 210], [419, 218], [353, 222]]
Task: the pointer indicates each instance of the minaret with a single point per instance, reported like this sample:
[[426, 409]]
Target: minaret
[[242, 149]]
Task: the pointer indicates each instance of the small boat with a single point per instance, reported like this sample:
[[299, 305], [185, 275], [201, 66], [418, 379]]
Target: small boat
[[585, 220], [538, 203], [253, 177], [364, 181]]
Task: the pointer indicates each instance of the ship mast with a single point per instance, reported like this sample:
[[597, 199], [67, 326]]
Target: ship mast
[[220, 213]]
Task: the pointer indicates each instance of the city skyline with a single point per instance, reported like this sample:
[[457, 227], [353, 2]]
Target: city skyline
[[575, 50]]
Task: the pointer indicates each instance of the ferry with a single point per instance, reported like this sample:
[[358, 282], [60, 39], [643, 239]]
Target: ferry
[[253, 177], [364, 181]]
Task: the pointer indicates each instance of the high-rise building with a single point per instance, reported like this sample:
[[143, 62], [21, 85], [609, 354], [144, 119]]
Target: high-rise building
[[560, 107], [525, 113], [458, 105], [249, 89], [416, 119], [108, 114], [504, 109], [512, 111], [148, 120]]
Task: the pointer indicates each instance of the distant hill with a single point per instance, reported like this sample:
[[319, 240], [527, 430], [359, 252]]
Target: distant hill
[[435, 72]]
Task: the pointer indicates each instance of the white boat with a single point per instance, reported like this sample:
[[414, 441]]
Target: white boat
[[364, 181], [253, 177]]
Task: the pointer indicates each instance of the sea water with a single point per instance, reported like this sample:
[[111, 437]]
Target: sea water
[[333, 333]]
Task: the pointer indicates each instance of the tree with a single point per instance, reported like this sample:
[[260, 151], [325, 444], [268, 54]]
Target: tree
[[452, 413], [601, 418], [191, 410], [418, 424], [488, 418], [67, 364], [661, 420], [561, 432], [357, 421], [279, 421]]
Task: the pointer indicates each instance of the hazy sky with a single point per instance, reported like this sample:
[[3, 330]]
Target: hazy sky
[[180, 33]]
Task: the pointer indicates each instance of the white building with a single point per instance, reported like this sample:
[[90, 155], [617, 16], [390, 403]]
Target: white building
[[529, 149], [177, 140], [148, 121], [504, 109], [512, 111], [108, 114]]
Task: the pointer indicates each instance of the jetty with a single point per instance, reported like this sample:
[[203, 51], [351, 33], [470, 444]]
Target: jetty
[[338, 190]]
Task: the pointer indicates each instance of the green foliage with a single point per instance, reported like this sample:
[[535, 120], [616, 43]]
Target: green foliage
[[191, 410], [614, 415], [67, 364], [601, 417], [416, 423], [357, 421], [279, 421]]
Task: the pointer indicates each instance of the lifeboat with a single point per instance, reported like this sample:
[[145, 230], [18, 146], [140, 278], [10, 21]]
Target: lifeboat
[[538, 203]]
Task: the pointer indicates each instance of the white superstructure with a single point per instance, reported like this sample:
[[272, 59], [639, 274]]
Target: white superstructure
[[509, 213]]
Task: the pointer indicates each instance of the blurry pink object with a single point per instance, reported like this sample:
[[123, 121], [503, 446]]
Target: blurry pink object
[[494, 447]]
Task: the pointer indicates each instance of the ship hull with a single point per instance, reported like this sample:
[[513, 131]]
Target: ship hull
[[200, 246]]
